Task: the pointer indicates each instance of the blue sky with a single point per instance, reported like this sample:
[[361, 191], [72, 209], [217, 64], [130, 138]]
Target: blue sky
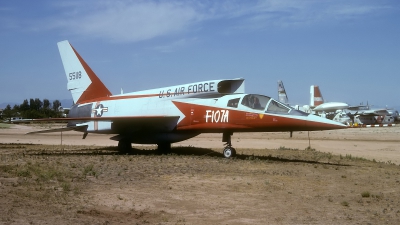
[[351, 49]]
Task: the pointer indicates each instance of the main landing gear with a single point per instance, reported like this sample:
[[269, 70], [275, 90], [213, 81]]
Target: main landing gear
[[164, 147], [124, 146], [229, 151]]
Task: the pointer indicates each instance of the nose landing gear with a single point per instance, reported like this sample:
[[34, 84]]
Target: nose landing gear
[[228, 151]]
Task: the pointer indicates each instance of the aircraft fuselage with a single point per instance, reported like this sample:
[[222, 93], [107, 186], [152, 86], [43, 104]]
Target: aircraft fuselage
[[177, 119]]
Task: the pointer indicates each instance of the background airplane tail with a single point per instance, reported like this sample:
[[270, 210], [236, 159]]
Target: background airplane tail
[[282, 93], [316, 98], [83, 83]]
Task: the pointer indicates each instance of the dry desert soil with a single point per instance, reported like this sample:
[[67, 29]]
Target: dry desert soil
[[349, 176]]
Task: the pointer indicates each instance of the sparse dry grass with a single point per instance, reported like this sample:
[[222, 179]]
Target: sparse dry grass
[[83, 184], [4, 125]]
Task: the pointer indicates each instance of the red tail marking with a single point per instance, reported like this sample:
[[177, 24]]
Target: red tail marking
[[318, 100], [96, 89]]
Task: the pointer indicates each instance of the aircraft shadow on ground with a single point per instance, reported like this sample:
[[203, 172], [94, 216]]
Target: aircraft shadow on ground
[[178, 151]]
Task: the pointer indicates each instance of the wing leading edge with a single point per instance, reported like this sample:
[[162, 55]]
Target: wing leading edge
[[126, 124]]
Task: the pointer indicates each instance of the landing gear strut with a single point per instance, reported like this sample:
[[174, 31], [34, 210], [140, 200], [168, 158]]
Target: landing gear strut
[[164, 147], [124, 146], [228, 151]]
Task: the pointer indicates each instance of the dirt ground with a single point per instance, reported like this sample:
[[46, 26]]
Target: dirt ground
[[348, 176], [380, 143]]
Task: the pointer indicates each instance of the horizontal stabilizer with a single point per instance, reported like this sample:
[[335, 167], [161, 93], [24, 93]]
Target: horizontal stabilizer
[[81, 128]]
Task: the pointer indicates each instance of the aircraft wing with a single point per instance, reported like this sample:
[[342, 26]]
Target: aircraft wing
[[144, 123], [122, 124], [358, 107], [104, 118], [378, 112]]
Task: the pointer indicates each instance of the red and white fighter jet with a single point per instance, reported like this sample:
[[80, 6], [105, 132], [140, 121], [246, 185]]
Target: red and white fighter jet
[[171, 114]]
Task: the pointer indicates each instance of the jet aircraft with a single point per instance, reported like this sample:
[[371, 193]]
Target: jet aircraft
[[171, 114]]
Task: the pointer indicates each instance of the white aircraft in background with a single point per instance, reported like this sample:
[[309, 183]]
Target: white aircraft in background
[[330, 110], [318, 105], [342, 117], [364, 114], [172, 114], [394, 113], [341, 112]]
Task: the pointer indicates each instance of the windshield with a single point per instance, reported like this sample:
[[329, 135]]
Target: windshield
[[280, 108], [276, 107]]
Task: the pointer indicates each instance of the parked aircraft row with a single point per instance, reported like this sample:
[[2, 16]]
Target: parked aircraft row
[[340, 111], [171, 114]]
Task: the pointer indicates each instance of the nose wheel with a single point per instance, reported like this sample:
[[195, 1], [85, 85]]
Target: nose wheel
[[228, 151]]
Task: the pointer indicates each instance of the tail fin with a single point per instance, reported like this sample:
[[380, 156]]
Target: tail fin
[[282, 93], [83, 83], [316, 96]]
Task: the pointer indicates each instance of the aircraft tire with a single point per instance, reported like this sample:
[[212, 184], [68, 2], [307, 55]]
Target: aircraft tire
[[229, 152]]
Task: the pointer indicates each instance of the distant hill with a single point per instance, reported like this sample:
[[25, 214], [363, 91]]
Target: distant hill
[[66, 103]]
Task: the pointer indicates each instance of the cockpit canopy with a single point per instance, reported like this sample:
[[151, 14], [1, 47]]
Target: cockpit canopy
[[255, 101], [265, 104]]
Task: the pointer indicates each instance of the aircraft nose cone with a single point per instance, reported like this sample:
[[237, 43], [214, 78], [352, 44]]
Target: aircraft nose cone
[[319, 123]]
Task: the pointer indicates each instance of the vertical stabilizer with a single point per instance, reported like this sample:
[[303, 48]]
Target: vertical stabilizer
[[316, 98], [83, 83], [282, 93]]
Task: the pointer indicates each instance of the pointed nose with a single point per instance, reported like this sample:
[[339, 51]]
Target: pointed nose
[[319, 123]]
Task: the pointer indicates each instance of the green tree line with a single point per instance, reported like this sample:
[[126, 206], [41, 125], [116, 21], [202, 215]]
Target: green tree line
[[34, 109]]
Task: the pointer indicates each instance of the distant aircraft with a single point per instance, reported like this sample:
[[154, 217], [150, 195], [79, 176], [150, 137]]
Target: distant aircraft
[[394, 113], [64, 111], [342, 117], [282, 93], [17, 120], [330, 110], [282, 96], [317, 103], [364, 114], [342, 112], [171, 114]]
